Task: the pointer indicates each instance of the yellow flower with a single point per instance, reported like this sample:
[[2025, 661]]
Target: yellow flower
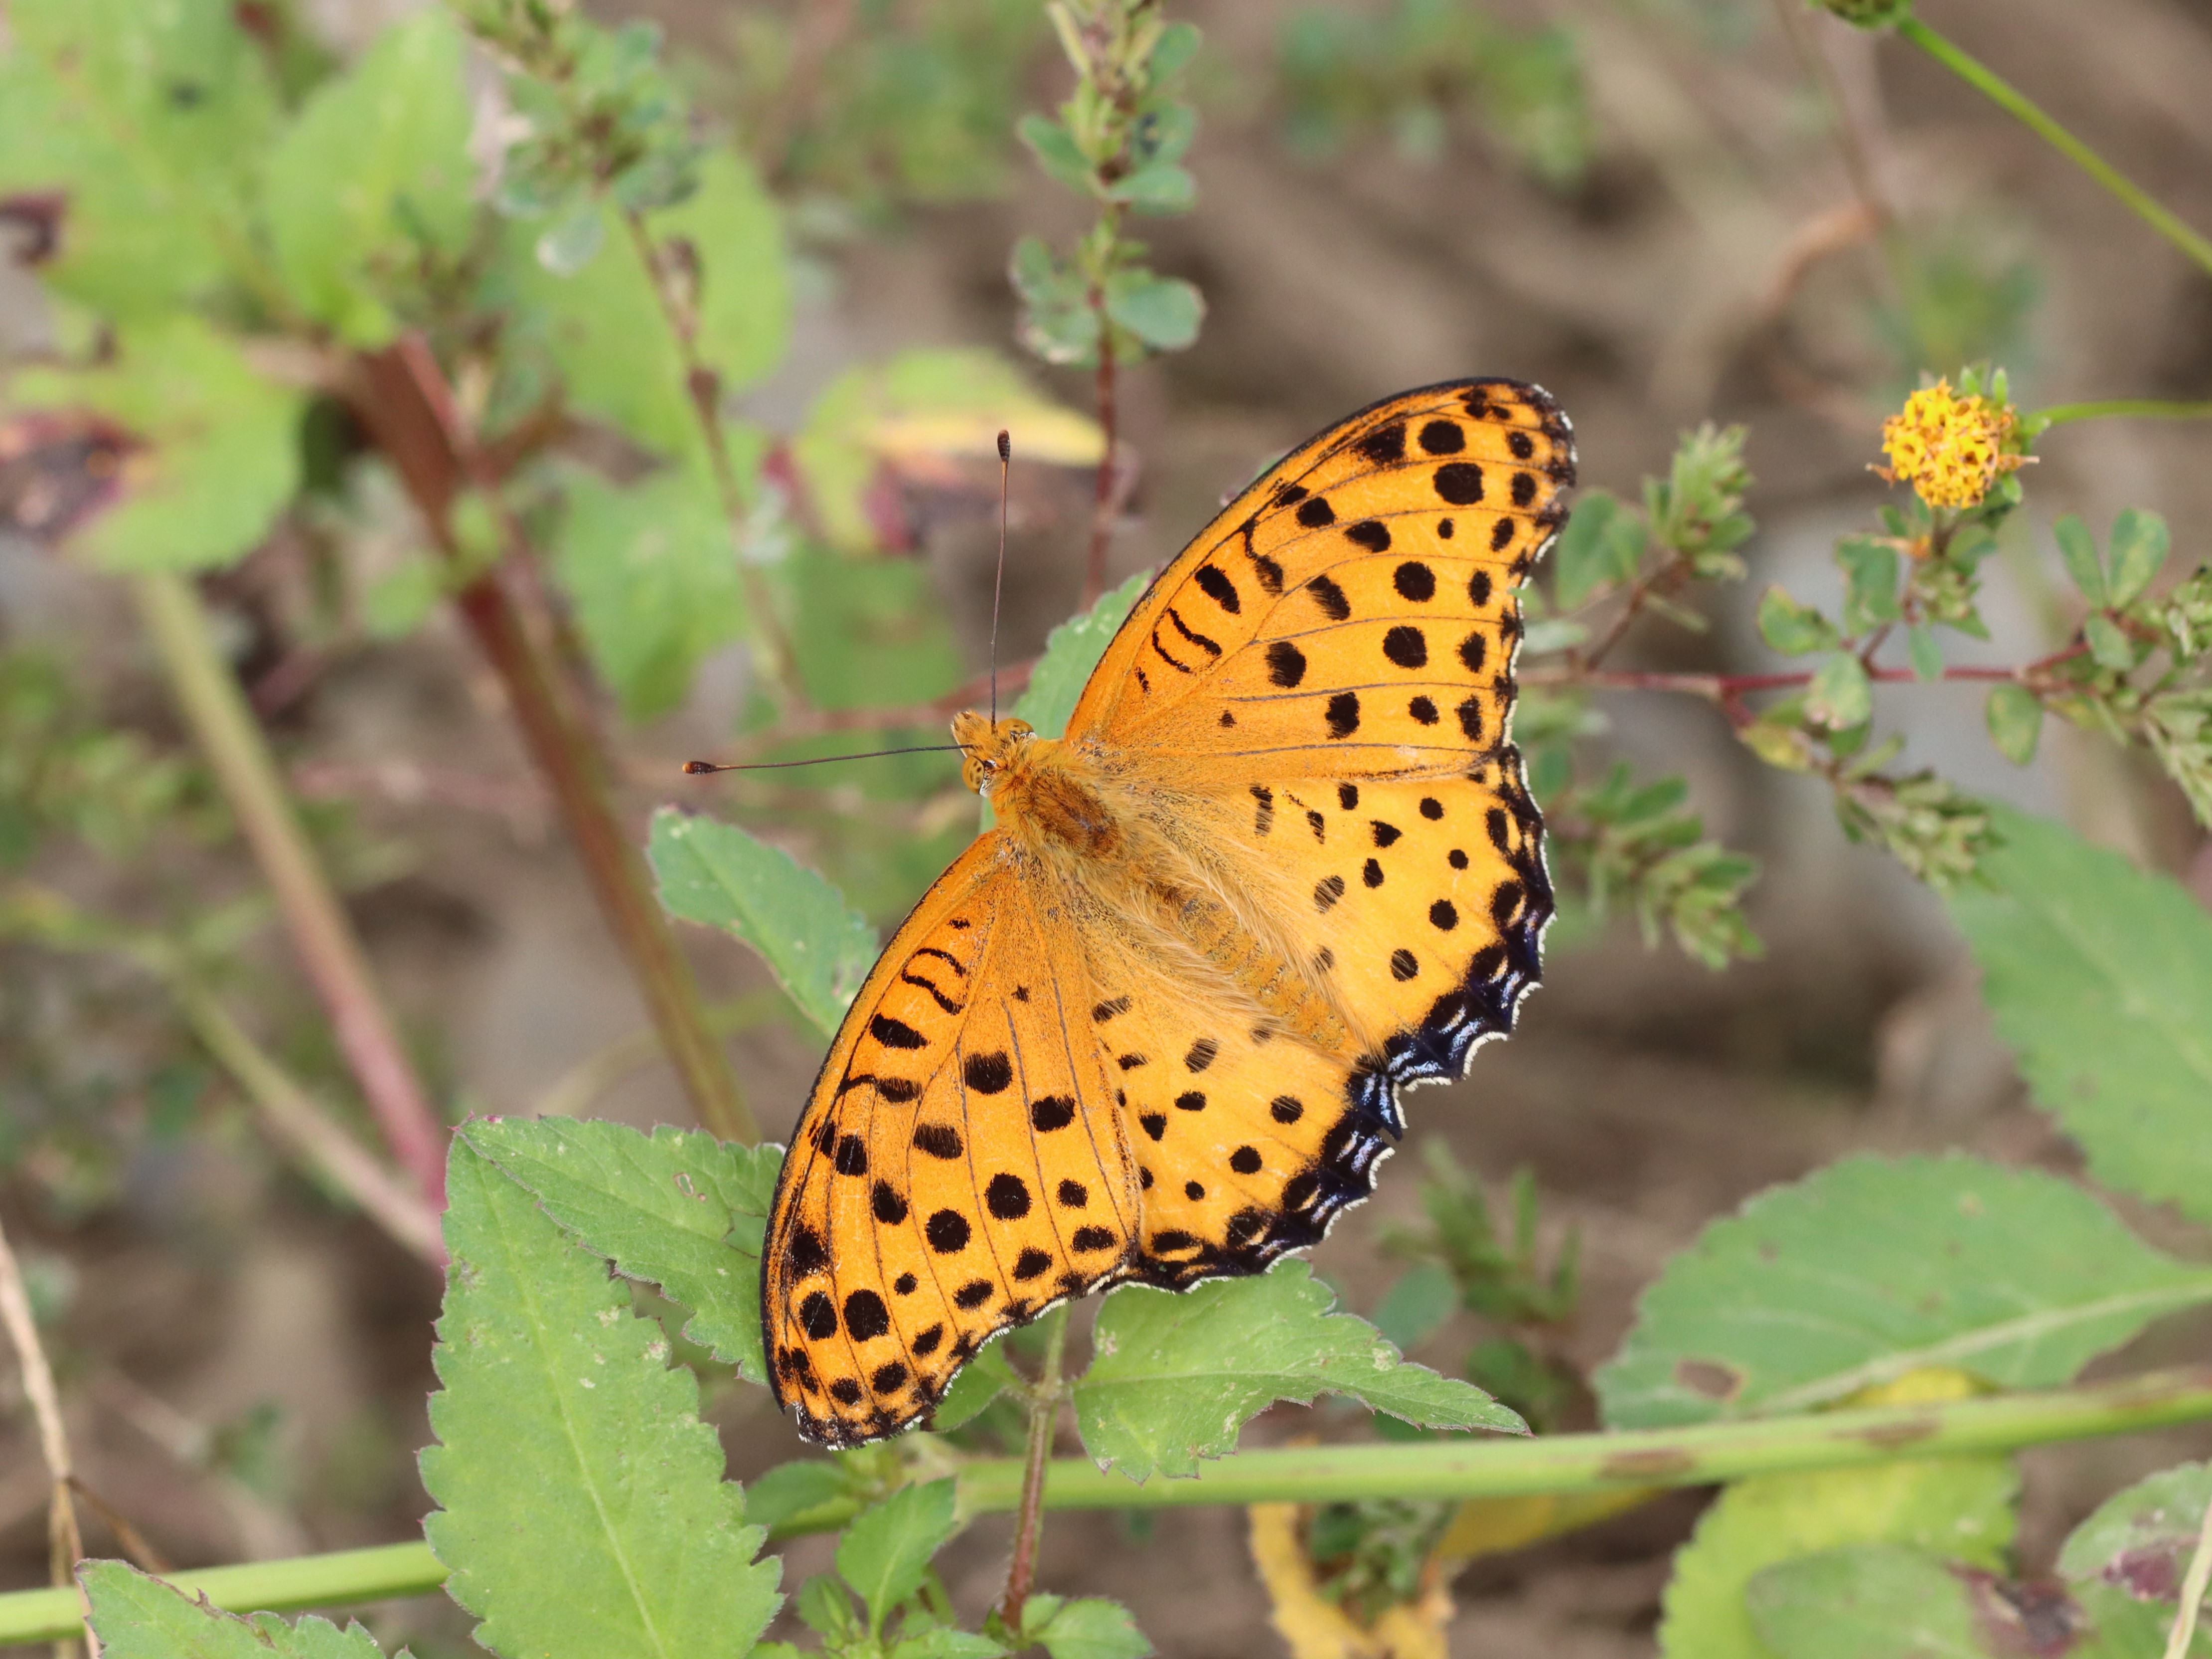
[[1949, 449]]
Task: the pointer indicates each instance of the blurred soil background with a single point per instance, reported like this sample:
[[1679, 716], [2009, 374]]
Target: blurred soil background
[[247, 1361]]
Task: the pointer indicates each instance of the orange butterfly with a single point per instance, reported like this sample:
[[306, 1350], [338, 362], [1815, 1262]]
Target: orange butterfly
[[1283, 864]]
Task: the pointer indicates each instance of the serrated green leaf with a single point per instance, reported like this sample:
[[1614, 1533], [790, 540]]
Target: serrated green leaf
[[1601, 546], [1163, 312], [1865, 1602], [2079, 550], [1958, 1507], [819, 948], [945, 1643], [1871, 571], [372, 176], [1177, 1375], [651, 571], [2098, 977], [792, 1489], [1091, 1628], [1872, 1269], [1926, 653], [885, 1550], [1791, 627], [679, 1209], [151, 119], [2015, 715], [581, 1508], [222, 451], [603, 327], [980, 1381], [2139, 543], [1071, 652], [1840, 696], [138, 1617]]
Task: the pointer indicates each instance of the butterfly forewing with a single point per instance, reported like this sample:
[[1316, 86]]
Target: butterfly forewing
[[945, 1180]]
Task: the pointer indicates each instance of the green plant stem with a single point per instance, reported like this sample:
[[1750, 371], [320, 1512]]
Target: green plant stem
[[216, 710], [2009, 98], [1701, 1455], [409, 408], [1028, 1522], [2150, 409]]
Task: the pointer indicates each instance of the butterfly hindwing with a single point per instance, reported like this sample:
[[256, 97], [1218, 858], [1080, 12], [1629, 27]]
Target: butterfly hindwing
[[949, 1177]]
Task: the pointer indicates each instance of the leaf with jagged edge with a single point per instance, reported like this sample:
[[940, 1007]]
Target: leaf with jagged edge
[[2100, 977], [885, 1550], [1177, 1375], [677, 1208], [139, 1617], [581, 1508], [819, 947], [1874, 1267]]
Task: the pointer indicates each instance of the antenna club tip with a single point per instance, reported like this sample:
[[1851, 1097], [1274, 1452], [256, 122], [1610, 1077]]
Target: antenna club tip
[[696, 768], [1005, 446]]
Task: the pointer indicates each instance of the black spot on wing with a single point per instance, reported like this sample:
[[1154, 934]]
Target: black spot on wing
[[1217, 586], [1330, 598]]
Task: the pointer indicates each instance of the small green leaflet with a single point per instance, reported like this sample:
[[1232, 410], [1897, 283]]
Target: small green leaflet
[[980, 1381], [1092, 1628], [680, 1209], [1871, 1268], [1960, 1507], [137, 1617], [713, 872], [2141, 1537], [885, 1551], [2100, 977], [1866, 1601], [581, 1506], [1071, 652], [1177, 1375]]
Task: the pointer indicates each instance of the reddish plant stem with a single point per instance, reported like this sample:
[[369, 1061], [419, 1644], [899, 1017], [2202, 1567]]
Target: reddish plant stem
[[214, 706], [408, 409], [1029, 1521], [1103, 501]]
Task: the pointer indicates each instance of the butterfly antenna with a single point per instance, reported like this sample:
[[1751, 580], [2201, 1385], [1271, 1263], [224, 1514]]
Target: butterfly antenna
[[700, 769], [999, 582]]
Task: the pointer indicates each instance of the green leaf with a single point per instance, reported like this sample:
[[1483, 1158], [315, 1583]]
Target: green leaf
[[2139, 543], [870, 633], [885, 1551], [1791, 628], [1866, 1601], [1163, 187], [582, 1509], [150, 119], [1177, 1375], [2126, 1562], [1926, 653], [945, 1643], [651, 570], [1056, 151], [137, 1617], [715, 874], [1417, 1305], [1871, 571], [2078, 550], [679, 1209], [401, 600], [792, 1489], [603, 327], [1872, 1269], [2109, 643], [1959, 1507], [2015, 715], [2098, 977], [1163, 312], [373, 177], [1071, 652], [1600, 548], [1091, 1628], [980, 1381], [1840, 696], [222, 454]]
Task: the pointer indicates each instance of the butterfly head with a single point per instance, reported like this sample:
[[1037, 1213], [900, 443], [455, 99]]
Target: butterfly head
[[989, 748]]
